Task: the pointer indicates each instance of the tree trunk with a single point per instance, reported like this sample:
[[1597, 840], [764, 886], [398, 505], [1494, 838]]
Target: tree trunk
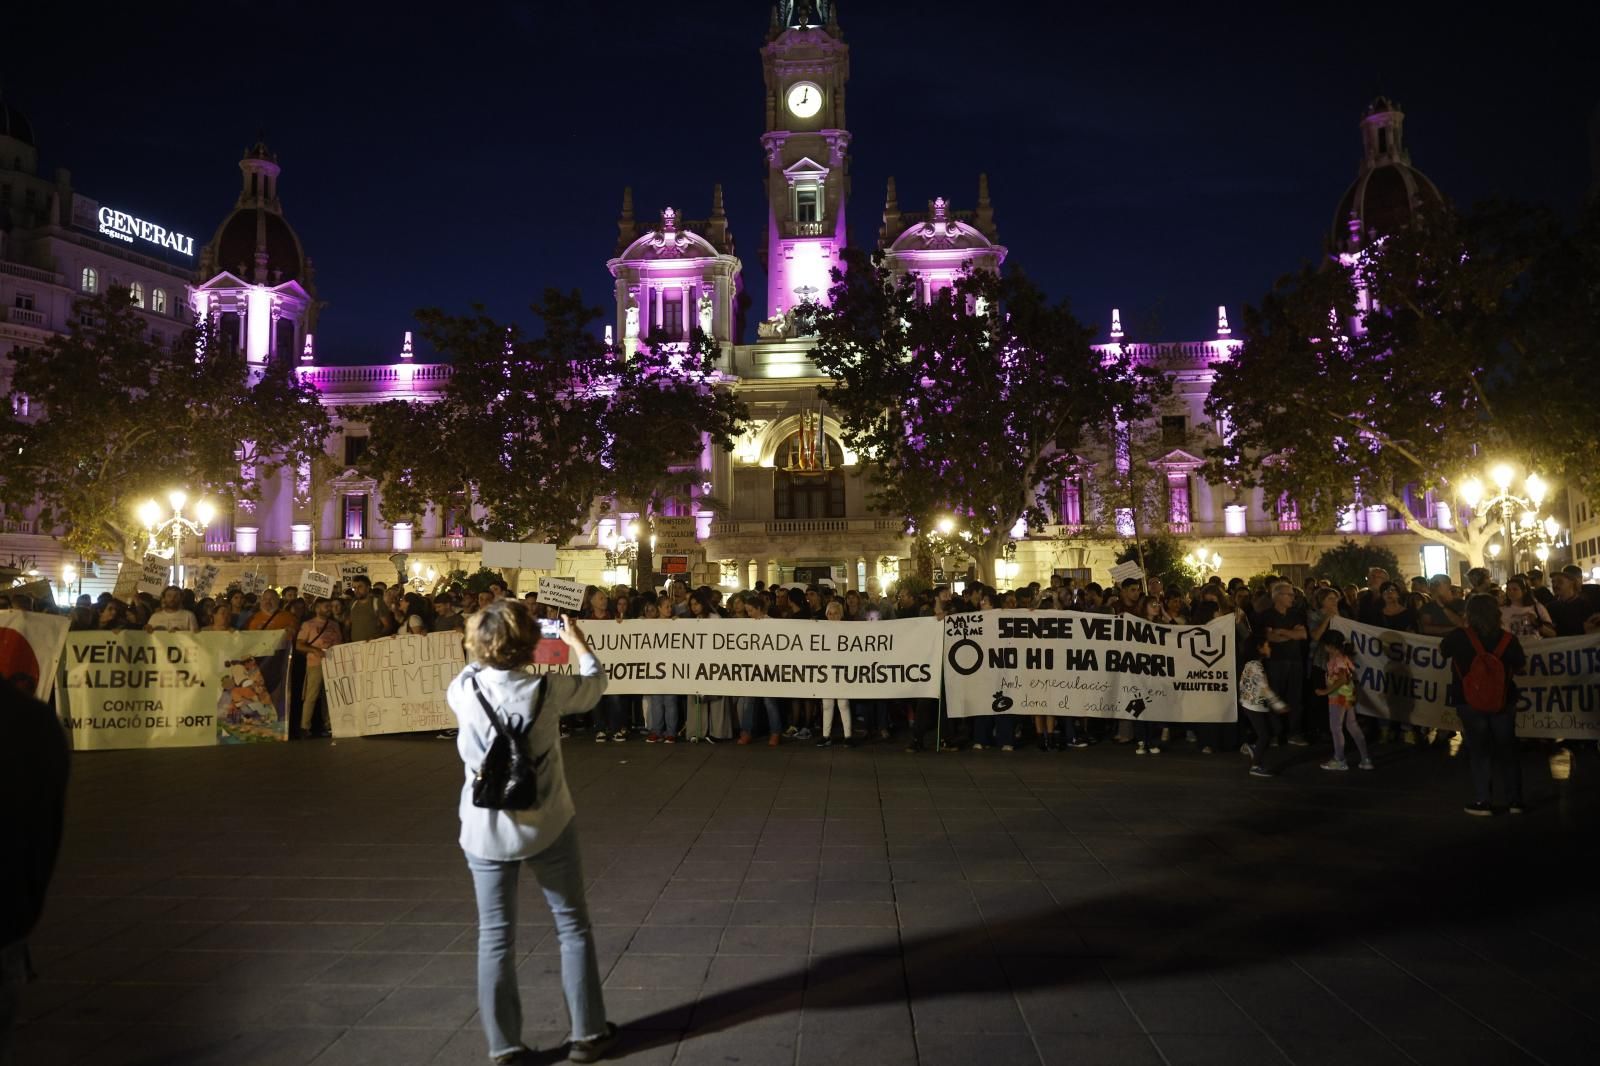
[[986, 555]]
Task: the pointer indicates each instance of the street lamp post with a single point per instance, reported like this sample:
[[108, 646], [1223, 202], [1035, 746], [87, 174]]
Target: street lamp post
[[622, 551], [1515, 515], [1203, 562], [157, 525]]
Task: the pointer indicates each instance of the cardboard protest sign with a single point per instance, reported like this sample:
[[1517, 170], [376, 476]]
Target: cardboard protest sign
[[393, 684], [562, 593], [1122, 571], [316, 584], [348, 572], [207, 578], [675, 534]]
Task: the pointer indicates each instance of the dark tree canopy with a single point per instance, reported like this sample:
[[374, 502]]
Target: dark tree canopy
[[530, 431], [115, 417], [973, 404], [1462, 340]]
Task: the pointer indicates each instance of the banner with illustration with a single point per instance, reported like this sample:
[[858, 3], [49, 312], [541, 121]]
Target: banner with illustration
[[1405, 677], [1091, 665], [392, 684], [130, 689], [30, 647], [783, 658]]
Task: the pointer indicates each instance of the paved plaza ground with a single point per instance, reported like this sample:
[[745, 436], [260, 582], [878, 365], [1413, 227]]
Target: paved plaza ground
[[307, 903]]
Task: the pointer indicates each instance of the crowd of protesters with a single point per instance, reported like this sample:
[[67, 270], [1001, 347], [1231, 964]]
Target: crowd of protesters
[[1297, 679]]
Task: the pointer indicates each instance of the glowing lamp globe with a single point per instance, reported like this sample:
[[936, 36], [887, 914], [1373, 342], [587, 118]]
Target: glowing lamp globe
[[204, 512], [1502, 475], [149, 513], [177, 497], [1471, 492]]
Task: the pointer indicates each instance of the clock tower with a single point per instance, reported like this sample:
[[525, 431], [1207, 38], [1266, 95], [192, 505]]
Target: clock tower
[[806, 65]]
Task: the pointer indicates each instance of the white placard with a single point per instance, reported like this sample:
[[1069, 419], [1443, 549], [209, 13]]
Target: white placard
[[561, 592], [207, 578], [781, 658], [348, 572], [1123, 571], [525, 556], [1095, 665], [153, 578], [316, 585], [392, 684], [253, 583]]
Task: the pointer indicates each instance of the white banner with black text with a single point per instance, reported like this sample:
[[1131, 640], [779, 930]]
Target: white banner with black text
[[782, 658], [1405, 677], [1091, 665]]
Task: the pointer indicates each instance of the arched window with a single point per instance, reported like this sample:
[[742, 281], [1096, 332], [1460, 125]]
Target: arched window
[[90, 280], [136, 293], [158, 301], [803, 486]]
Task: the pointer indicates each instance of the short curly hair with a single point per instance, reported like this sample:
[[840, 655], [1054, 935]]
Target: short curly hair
[[502, 634]]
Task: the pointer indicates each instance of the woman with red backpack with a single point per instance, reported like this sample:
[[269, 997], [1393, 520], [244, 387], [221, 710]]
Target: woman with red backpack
[[1485, 659]]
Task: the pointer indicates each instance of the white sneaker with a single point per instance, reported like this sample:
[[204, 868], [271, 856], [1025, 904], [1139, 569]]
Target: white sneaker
[[977, 747], [1366, 764], [1335, 764], [1139, 748]]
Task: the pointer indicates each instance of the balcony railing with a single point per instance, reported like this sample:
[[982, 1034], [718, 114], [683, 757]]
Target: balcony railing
[[391, 374], [805, 229], [23, 316], [790, 526], [220, 547], [17, 525], [44, 277]]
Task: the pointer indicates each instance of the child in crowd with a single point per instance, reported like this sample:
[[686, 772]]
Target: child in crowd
[[1340, 689], [1256, 698]]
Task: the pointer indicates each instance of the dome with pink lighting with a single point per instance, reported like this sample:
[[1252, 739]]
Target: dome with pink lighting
[[1388, 192]]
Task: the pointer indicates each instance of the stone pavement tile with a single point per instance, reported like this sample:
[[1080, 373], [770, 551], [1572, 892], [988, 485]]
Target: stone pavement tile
[[855, 940], [932, 893], [755, 1008], [1455, 1052], [827, 1046], [682, 972], [782, 870], [447, 971], [262, 969], [981, 1008], [1083, 1049], [428, 938], [150, 1045], [849, 912], [1354, 1048], [927, 870], [778, 973], [50, 1043], [973, 1049], [675, 940], [393, 1047], [766, 940], [1194, 1050], [854, 891], [683, 889], [298, 1006], [763, 1046], [668, 1009], [388, 970], [422, 1008], [778, 891], [693, 912], [1209, 1014], [765, 913]]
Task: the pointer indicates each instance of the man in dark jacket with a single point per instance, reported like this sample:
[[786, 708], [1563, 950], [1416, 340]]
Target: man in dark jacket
[[33, 793]]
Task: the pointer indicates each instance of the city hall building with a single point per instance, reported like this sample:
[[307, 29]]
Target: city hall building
[[789, 502]]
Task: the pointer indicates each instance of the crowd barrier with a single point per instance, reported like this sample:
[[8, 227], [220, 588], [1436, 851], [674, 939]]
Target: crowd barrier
[[137, 690]]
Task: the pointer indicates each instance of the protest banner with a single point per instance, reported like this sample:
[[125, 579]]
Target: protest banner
[[674, 535], [392, 684], [1093, 665], [153, 576], [348, 572], [562, 593], [1406, 678], [524, 556], [129, 689], [30, 649], [315, 584], [770, 657], [207, 578]]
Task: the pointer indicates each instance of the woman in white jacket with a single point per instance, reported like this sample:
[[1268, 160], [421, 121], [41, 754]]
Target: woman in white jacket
[[500, 639]]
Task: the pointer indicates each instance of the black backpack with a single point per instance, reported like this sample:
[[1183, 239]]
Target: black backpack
[[508, 779]]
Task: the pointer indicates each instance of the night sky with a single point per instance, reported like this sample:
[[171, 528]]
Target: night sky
[[477, 152]]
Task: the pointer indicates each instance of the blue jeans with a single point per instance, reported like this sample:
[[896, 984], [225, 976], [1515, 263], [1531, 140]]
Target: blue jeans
[[1492, 749], [995, 729], [664, 714], [560, 874], [747, 713]]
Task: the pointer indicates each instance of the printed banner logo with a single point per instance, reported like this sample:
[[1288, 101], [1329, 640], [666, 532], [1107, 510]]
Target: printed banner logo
[[1198, 643]]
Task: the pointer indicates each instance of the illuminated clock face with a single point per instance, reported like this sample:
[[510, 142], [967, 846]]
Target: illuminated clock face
[[805, 99]]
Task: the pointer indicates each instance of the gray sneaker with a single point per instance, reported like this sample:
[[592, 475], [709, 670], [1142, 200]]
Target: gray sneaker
[[595, 1048]]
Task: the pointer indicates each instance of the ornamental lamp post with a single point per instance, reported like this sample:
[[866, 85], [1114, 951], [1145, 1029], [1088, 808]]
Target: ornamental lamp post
[[157, 525], [1512, 514]]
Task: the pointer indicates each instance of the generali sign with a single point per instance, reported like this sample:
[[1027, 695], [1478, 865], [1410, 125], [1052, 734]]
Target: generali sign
[[121, 226]]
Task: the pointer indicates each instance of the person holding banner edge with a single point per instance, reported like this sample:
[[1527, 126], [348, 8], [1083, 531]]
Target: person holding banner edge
[[1483, 656], [500, 639]]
